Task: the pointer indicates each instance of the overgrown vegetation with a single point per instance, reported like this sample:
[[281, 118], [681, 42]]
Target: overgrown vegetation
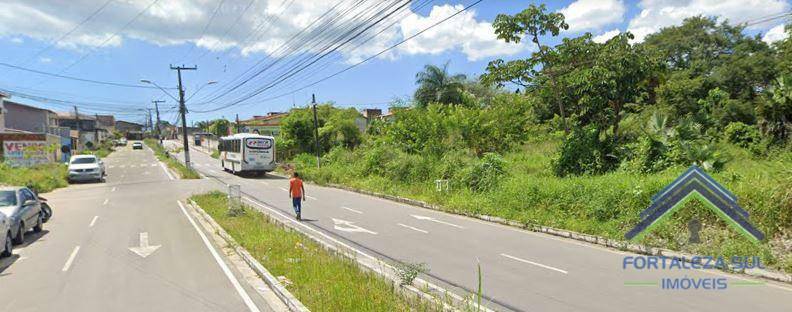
[[103, 150], [42, 178], [321, 280], [595, 130], [174, 164]]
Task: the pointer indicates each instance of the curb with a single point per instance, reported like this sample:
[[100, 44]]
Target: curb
[[287, 297], [586, 238]]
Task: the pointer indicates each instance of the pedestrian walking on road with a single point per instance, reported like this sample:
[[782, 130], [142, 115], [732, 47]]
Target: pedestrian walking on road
[[297, 193]]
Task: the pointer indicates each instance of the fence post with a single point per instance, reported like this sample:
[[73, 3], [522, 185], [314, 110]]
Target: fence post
[[234, 200]]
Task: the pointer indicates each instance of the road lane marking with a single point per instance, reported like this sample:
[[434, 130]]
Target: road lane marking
[[436, 221], [284, 189], [265, 182], [69, 261], [144, 249], [352, 210], [310, 197], [413, 228], [106, 201], [121, 166], [197, 164], [534, 263], [170, 177], [249, 302], [114, 189], [93, 221], [132, 166], [349, 226], [153, 165], [347, 246]]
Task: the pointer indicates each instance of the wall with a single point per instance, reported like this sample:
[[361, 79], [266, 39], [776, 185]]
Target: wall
[[25, 118]]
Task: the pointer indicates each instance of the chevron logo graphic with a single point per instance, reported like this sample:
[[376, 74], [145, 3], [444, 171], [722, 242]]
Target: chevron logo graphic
[[694, 183]]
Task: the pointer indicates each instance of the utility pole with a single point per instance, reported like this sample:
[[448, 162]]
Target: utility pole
[[77, 118], [156, 109], [237, 123], [316, 132], [183, 112], [96, 129], [150, 124]]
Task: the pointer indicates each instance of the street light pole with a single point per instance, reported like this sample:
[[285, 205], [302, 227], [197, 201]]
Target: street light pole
[[183, 112], [316, 132]]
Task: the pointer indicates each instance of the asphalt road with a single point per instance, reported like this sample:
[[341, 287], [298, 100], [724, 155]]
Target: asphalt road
[[522, 270], [82, 261]]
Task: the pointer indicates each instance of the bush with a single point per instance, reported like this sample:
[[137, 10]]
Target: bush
[[648, 155], [742, 135], [42, 178], [486, 174], [582, 152]]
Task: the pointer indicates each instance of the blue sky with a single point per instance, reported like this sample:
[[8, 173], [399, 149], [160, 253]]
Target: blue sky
[[190, 31]]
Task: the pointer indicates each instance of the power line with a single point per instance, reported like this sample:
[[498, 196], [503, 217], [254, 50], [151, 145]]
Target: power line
[[353, 65], [80, 24], [108, 83]]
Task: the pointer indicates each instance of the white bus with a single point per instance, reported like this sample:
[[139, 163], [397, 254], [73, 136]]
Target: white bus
[[247, 152]]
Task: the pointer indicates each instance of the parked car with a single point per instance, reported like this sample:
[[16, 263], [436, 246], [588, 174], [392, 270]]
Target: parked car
[[137, 145], [122, 141], [23, 209], [5, 233], [86, 168]]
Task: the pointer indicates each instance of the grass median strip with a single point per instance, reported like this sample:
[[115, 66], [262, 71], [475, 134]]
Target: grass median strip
[[320, 279], [174, 164]]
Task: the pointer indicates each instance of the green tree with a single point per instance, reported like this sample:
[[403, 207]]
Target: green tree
[[534, 23], [219, 127], [775, 111], [436, 85], [337, 127]]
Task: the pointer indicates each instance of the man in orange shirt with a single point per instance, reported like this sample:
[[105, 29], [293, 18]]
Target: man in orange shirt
[[297, 193]]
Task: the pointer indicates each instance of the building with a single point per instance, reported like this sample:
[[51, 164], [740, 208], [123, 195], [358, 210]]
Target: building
[[2, 111], [130, 130], [265, 125], [28, 118], [84, 129], [106, 122]]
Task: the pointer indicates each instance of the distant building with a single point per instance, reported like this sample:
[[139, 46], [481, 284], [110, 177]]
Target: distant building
[[28, 118], [2, 111], [129, 130], [106, 122], [265, 125]]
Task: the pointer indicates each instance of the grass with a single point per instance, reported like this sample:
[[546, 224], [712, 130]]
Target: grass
[[215, 154], [104, 150], [42, 178], [172, 163], [605, 205], [320, 279]]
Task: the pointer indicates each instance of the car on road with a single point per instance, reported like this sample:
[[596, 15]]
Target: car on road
[[86, 168], [23, 210], [5, 234], [137, 145], [120, 142]]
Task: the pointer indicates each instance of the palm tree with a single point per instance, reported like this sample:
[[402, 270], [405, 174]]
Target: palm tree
[[436, 85], [775, 111]]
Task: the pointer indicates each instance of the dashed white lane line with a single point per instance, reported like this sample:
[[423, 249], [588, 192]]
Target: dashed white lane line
[[352, 210], [114, 189], [69, 261], [284, 189], [93, 221], [153, 165], [245, 297], [534, 263], [121, 166], [310, 197], [105, 201], [413, 228]]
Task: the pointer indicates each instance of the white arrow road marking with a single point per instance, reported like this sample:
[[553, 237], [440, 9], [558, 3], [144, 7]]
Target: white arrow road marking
[[93, 221], [69, 261], [245, 297], [144, 250], [534, 263], [413, 228], [352, 210], [349, 227], [436, 221]]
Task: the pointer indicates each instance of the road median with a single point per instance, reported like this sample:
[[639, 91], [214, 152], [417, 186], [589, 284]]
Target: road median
[[175, 166]]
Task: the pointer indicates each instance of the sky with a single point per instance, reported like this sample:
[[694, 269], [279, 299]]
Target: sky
[[125, 41]]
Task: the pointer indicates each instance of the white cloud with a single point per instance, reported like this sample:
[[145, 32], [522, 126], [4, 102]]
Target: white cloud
[[583, 15], [606, 36], [656, 14], [476, 39], [16, 40], [45, 60], [264, 27], [776, 33]]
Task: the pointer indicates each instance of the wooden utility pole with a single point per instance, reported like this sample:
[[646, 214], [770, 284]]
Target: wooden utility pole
[[156, 109], [316, 132], [183, 112]]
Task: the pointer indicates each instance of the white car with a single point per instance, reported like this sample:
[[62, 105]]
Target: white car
[[7, 198], [86, 168]]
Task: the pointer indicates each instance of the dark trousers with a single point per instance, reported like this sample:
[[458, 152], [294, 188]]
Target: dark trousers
[[297, 204]]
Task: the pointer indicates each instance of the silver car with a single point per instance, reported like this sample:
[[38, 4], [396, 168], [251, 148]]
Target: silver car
[[86, 168], [5, 233], [23, 210]]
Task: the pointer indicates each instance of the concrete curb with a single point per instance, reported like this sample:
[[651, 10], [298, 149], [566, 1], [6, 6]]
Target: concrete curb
[[287, 297], [591, 239]]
